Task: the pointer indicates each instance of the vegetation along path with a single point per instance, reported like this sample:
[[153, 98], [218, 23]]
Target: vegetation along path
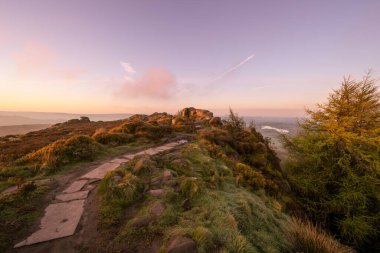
[[62, 217]]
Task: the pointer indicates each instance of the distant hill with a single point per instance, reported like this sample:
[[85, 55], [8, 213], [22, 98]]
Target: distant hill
[[29, 118], [21, 129], [13, 120]]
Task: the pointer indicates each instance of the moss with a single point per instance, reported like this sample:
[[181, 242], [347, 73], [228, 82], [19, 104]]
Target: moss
[[18, 211]]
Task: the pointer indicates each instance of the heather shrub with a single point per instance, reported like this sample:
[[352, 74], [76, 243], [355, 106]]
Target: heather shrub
[[250, 176], [113, 139], [144, 129], [62, 152]]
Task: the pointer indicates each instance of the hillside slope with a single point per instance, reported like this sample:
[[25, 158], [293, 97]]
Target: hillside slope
[[224, 191]]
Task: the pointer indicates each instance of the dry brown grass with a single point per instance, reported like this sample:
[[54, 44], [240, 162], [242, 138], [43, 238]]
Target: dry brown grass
[[308, 238], [21, 145]]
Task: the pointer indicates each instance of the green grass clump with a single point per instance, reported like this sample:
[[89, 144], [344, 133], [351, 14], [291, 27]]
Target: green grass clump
[[190, 187], [117, 190]]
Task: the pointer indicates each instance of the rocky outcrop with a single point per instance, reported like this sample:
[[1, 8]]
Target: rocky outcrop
[[190, 119], [196, 114]]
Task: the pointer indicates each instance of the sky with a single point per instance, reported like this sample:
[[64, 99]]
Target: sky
[[261, 58]]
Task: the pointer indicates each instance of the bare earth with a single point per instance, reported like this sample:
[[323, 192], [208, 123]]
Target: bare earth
[[63, 215]]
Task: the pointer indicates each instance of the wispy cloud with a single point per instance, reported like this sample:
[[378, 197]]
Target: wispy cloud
[[232, 69], [129, 70]]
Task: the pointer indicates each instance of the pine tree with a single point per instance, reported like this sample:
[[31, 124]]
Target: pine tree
[[334, 163]]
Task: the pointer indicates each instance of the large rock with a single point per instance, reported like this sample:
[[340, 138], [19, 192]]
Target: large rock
[[182, 244], [197, 114]]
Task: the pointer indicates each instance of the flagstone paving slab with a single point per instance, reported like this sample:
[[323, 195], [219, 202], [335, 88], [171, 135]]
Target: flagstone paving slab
[[120, 160], [130, 156], [101, 171], [76, 186], [60, 220], [72, 196]]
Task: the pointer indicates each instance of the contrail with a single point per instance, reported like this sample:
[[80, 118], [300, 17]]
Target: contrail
[[232, 69]]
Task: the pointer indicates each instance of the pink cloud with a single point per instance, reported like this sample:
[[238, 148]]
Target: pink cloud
[[154, 83], [37, 59], [34, 57], [72, 74]]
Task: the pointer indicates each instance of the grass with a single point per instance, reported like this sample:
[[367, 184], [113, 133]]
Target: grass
[[306, 237], [221, 217], [10, 174], [207, 204]]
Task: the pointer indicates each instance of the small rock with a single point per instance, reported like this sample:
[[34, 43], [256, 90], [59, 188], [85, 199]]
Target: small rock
[[186, 204], [156, 193], [167, 174], [157, 209], [181, 244], [141, 222], [156, 181]]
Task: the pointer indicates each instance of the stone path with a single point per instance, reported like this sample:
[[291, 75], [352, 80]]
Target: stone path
[[62, 217]]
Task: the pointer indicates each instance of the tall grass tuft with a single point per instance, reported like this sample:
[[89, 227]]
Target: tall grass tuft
[[306, 237]]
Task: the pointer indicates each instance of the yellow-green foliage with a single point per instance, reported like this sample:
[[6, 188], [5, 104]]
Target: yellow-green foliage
[[305, 237], [74, 149], [250, 176], [334, 164]]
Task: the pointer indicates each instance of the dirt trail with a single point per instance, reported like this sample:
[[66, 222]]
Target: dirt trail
[[75, 206]]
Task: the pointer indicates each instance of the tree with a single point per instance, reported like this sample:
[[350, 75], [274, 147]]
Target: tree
[[334, 163], [234, 123]]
